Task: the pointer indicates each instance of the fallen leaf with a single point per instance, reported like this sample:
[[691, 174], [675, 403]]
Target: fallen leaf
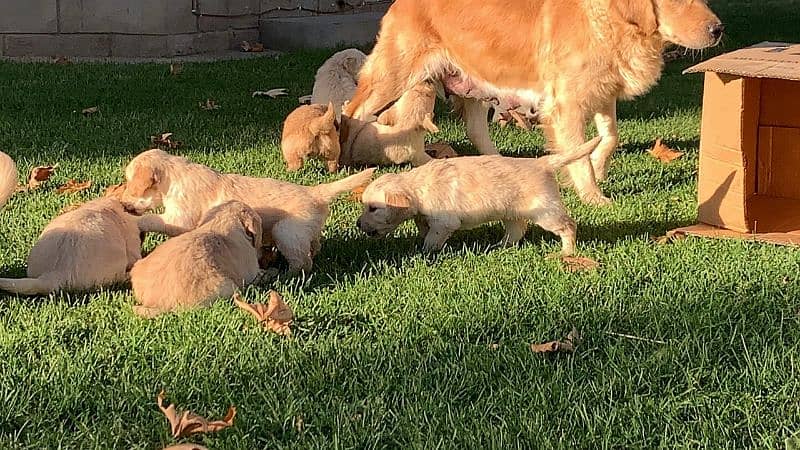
[[578, 264], [440, 150], [175, 69], [187, 423], [165, 140], [89, 111], [566, 346], [73, 186], [275, 316], [272, 93], [670, 237], [663, 153], [494, 346], [299, 423], [305, 100], [255, 47], [355, 194], [209, 105], [71, 207], [38, 176], [62, 61], [186, 447]]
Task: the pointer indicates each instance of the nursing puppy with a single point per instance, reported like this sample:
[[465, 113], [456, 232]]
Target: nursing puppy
[[89, 247], [461, 193], [311, 131], [8, 178], [398, 135], [198, 267], [336, 79], [292, 215], [565, 61]]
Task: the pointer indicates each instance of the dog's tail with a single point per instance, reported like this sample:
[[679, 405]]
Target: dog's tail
[[559, 160], [326, 192], [8, 178], [29, 286]]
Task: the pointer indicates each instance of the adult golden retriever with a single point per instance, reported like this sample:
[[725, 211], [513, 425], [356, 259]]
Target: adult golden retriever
[[566, 60]]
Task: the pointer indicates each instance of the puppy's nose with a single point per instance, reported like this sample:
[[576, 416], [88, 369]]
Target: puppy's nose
[[716, 30]]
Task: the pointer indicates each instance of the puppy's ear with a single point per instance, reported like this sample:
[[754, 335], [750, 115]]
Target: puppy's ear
[[142, 179], [398, 199], [427, 124], [251, 222], [639, 13]]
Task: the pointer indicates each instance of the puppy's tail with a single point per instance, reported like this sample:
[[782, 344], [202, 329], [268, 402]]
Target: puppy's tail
[[559, 160], [29, 286], [327, 192], [8, 178]]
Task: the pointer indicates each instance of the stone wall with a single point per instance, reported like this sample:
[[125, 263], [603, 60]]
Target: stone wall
[[147, 28]]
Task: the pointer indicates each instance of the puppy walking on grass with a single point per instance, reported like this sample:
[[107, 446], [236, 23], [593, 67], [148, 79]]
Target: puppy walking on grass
[[8, 178], [462, 193]]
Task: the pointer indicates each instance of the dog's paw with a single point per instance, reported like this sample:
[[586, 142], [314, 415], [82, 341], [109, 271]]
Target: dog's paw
[[597, 199]]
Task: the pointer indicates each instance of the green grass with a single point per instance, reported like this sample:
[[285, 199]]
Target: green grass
[[392, 349]]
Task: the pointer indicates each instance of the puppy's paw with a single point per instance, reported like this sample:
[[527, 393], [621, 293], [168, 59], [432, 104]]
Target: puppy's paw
[[595, 198]]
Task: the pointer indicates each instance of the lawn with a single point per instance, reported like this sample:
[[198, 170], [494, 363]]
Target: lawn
[[393, 349]]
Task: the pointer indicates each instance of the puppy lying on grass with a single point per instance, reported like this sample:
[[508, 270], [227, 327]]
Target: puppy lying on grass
[[89, 247], [336, 79], [292, 215], [8, 178], [198, 267], [310, 131], [398, 135], [462, 193]]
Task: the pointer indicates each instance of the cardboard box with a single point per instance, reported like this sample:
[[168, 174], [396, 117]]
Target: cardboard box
[[749, 175]]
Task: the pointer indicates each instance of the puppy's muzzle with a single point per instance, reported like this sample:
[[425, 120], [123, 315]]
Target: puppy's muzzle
[[368, 231]]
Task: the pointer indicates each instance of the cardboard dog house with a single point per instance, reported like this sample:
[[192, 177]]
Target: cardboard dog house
[[749, 175]]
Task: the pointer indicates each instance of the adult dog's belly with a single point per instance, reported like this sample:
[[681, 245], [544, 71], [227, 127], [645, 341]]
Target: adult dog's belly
[[524, 101]]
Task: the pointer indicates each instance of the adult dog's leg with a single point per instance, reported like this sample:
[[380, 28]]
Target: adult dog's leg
[[606, 121], [475, 115]]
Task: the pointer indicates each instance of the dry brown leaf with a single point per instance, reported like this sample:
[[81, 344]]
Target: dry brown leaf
[[663, 153], [299, 423], [566, 346], [187, 423], [272, 93], [275, 316], [38, 176], [175, 69], [62, 61], [255, 47], [670, 237], [494, 346], [73, 186], [440, 150], [89, 111], [164, 140], [186, 447], [305, 100], [209, 105], [355, 194], [579, 264]]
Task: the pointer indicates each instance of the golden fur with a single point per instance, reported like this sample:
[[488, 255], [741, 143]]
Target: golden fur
[[398, 135], [336, 79], [461, 193], [569, 60], [8, 178], [89, 247], [292, 215], [202, 265], [310, 131]]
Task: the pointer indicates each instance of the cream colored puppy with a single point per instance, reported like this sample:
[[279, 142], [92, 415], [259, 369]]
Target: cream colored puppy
[[292, 215], [462, 193], [89, 247], [8, 178], [336, 79], [198, 267], [398, 135]]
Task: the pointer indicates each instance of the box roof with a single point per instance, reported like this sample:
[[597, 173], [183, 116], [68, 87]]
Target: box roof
[[765, 60]]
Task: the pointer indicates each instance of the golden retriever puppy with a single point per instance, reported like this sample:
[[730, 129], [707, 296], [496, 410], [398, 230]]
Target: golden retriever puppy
[[311, 131], [336, 79], [292, 215], [202, 265], [565, 61], [8, 178], [89, 247], [398, 135], [446, 195]]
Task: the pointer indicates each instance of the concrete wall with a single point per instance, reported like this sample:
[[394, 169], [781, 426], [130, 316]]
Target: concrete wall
[[154, 28]]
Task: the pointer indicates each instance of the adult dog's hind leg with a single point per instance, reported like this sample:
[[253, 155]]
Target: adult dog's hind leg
[[606, 122]]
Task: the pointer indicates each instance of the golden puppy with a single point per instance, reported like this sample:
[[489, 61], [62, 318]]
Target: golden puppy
[[446, 195], [564, 60], [311, 131], [398, 135], [198, 267], [89, 247], [292, 215], [8, 178], [336, 79]]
